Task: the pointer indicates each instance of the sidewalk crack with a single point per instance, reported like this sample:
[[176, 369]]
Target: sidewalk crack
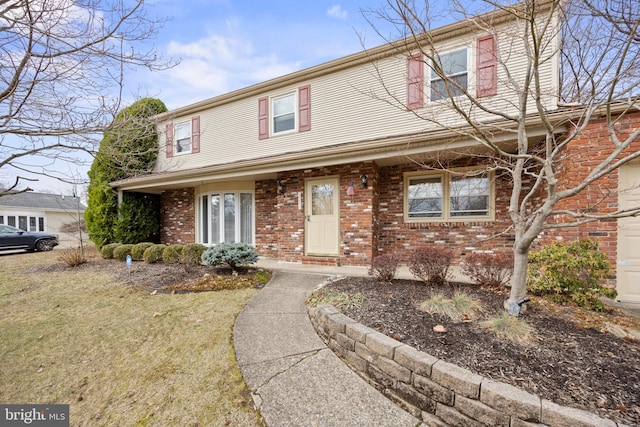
[[307, 355]]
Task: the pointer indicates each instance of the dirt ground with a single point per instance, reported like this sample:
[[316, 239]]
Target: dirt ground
[[568, 361]]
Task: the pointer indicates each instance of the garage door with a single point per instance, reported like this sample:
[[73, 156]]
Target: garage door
[[628, 271]]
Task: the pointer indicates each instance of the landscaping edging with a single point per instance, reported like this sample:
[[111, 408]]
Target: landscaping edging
[[439, 393]]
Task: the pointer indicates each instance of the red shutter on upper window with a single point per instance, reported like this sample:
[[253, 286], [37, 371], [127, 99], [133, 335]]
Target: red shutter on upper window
[[415, 81], [263, 118], [486, 67], [195, 134], [304, 108], [169, 139]]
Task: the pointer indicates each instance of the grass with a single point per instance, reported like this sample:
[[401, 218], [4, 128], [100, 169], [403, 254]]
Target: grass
[[118, 355], [340, 300], [460, 307], [509, 327]]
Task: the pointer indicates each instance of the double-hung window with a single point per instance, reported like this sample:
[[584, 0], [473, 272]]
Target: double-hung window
[[183, 137], [284, 113], [448, 196], [226, 216], [182, 133], [449, 74]]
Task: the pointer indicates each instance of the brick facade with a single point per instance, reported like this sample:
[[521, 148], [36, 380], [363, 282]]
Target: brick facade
[[372, 219], [178, 216]]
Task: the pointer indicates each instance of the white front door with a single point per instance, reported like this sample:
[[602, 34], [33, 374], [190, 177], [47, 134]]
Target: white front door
[[628, 271], [322, 229]]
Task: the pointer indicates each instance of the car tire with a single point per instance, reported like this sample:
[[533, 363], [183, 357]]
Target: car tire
[[44, 245]]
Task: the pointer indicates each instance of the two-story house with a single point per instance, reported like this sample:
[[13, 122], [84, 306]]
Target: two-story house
[[357, 157]]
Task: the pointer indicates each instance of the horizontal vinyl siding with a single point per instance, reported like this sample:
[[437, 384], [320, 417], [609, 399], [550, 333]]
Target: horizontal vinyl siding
[[344, 109]]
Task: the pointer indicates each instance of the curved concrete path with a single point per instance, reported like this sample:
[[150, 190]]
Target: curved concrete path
[[294, 378]]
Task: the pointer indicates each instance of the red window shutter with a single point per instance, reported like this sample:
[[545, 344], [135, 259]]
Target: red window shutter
[[486, 67], [195, 134], [263, 118], [415, 81], [169, 139], [304, 108]]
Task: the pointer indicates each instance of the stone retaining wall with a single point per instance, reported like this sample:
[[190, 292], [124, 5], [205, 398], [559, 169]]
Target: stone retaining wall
[[439, 393]]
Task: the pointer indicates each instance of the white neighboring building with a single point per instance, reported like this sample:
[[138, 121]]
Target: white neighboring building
[[51, 213]]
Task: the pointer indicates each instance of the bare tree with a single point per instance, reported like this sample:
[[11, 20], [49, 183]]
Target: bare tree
[[62, 70], [596, 44]]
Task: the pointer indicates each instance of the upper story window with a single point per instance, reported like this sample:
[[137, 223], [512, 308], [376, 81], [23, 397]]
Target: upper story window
[[183, 137], [453, 65], [285, 113], [445, 196], [456, 68], [182, 132]]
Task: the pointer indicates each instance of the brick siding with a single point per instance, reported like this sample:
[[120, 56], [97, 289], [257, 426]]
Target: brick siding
[[178, 216]]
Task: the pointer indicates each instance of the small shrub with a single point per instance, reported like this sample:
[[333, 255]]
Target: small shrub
[[431, 264], [192, 253], [137, 252], [153, 254], [384, 268], [73, 256], [509, 327], [490, 270], [231, 254], [460, 307], [570, 273], [106, 251], [172, 254], [122, 251]]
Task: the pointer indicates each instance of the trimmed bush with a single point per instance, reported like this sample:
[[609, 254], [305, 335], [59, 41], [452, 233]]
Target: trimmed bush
[[384, 268], [570, 273], [137, 252], [106, 251], [122, 251], [153, 254], [172, 254], [431, 264], [192, 253], [230, 253], [490, 270]]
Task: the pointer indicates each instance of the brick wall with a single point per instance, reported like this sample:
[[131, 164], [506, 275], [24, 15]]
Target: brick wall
[[357, 217], [267, 230], [395, 236], [178, 216], [584, 153]]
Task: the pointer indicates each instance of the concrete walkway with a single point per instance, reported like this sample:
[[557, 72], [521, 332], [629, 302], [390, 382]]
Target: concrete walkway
[[294, 378]]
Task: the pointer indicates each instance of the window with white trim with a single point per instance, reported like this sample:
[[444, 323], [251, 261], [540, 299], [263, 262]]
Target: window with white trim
[[454, 66], [284, 113], [226, 216], [445, 196], [182, 136]]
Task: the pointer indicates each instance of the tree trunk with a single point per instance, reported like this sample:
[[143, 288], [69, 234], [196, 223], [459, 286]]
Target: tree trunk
[[519, 278]]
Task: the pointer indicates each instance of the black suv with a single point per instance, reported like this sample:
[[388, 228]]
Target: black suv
[[12, 238]]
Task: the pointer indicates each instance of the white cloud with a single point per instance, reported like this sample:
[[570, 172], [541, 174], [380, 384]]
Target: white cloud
[[214, 65], [336, 11]]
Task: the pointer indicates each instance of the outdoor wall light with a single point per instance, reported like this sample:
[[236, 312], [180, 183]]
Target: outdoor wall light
[[280, 187], [365, 181]]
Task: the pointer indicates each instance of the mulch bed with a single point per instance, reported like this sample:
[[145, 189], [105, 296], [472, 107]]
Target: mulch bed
[[565, 362]]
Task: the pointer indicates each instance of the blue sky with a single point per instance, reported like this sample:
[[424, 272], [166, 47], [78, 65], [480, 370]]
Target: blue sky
[[225, 45]]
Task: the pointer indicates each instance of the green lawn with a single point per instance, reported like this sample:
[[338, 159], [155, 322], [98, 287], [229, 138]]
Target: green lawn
[[118, 355]]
